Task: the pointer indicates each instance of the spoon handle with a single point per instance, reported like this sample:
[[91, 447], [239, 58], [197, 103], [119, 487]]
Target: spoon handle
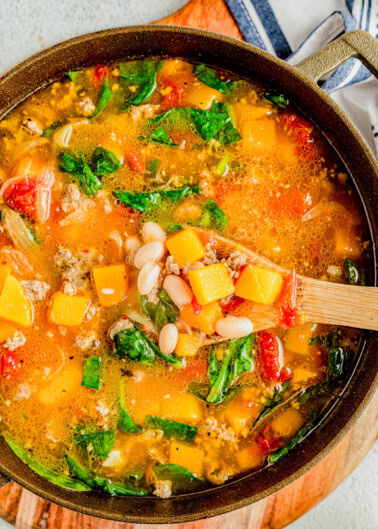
[[338, 304]]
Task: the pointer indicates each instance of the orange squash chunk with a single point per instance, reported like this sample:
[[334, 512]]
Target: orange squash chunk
[[205, 320], [111, 283], [186, 247], [187, 345], [259, 134], [15, 306], [187, 456], [259, 285], [211, 283], [203, 96], [68, 310]]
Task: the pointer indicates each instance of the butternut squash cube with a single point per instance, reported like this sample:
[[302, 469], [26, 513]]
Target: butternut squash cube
[[346, 245], [251, 457], [15, 306], [186, 247], [64, 385], [205, 320], [243, 112], [210, 283], [202, 96], [259, 285], [243, 408], [259, 134], [288, 422], [302, 375], [7, 330], [297, 338], [187, 456], [182, 407], [4, 273], [111, 284], [68, 310], [187, 344]]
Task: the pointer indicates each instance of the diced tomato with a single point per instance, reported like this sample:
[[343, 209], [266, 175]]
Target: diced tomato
[[196, 306], [302, 131], [174, 97], [10, 364], [272, 363], [233, 304], [267, 440], [291, 201], [100, 73], [197, 368], [134, 161], [287, 302], [22, 195]]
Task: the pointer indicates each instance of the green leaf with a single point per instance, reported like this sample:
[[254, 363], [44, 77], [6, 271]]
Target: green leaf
[[222, 166], [104, 161], [81, 172], [143, 75], [180, 477], [281, 452], [102, 442], [91, 373], [228, 133], [47, 133], [54, 477], [105, 97], [238, 359], [171, 228], [337, 365], [213, 366], [152, 167], [147, 202], [125, 422], [134, 344], [162, 312], [74, 76], [353, 273], [209, 77], [173, 429], [271, 404], [278, 100], [80, 471], [214, 217], [159, 136]]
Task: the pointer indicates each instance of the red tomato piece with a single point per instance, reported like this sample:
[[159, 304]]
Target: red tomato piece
[[272, 363], [197, 368], [233, 304], [174, 97], [100, 73], [196, 306], [287, 302], [10, 364], [267, 440], [134, 161], [22, 195]]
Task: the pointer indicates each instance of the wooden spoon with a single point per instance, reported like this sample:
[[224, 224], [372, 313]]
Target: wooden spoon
[[319, 301]]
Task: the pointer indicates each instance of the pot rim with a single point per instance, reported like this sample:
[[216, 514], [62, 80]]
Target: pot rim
[[54, 494]]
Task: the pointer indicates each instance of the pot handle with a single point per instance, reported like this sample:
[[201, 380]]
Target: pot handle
[[357, 43]]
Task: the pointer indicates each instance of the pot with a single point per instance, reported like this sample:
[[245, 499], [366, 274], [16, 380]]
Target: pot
[[300, 85]]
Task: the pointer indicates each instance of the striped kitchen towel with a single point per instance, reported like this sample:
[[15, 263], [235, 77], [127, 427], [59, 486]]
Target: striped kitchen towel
[[293, 29]]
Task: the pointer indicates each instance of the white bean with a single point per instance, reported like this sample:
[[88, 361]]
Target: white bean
[[151, 231], [148, 277], [233, 327], [63, 135], [168, 338], [131, 244], [178, 290], [152, 251]]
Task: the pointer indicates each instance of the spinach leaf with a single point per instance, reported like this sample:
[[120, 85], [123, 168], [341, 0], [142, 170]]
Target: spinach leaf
[[171, 228], [337, 364], [228, 133], [278, 100], [125, 422], [81, 172], [102, 442], [177, 430], [105, 97], [152, 167], [272, 403], [206, 122], [143, 75], [91, 373], [238, 359], [104, 161], [213, 366], [159, 136], [45, 472], [149, 201], [74, 76], [281, 452], [162, 312], [199, 390], [181, 477], [209, 77], [85, 475], [213, 216], [353, 273], [47, 133], [134, 344], [222, 166]]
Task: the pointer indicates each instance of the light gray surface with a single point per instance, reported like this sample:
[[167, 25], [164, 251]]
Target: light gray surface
[[27, 26]]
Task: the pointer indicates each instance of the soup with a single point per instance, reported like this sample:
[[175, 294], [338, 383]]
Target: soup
[[123, 369]]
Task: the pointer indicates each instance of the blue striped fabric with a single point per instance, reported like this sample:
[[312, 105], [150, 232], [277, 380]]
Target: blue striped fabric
[[276, 25]]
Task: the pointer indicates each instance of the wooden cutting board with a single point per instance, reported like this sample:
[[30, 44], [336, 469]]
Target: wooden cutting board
[[28, 511]]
